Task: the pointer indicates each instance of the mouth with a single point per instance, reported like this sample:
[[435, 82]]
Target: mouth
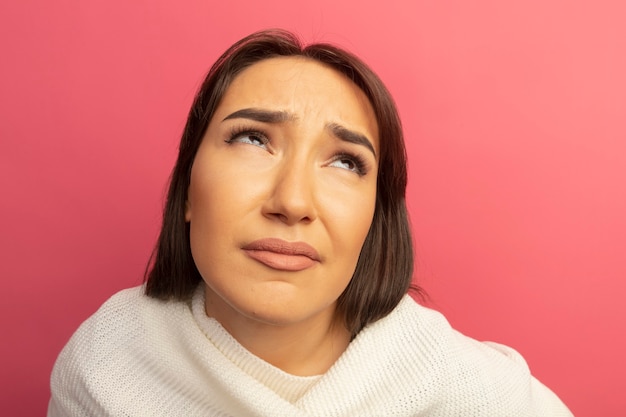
[[282, 255]]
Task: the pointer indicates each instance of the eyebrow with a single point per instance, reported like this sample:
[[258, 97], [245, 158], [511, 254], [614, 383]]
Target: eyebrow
[[350, 136], [264, 116], [277, 116]]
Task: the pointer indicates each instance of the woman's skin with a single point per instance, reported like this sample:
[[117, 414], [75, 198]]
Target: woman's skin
[[281, 198]]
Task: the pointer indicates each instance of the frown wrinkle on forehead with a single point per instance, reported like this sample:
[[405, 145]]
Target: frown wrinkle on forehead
[[284, 89], [277, 116]]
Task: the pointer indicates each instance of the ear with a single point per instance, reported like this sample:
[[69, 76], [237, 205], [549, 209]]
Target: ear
[[187, 211]]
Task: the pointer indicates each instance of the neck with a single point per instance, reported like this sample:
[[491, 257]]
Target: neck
[[304, 348]]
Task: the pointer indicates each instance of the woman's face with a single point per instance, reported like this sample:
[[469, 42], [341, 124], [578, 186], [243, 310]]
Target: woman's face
[[282, 193]]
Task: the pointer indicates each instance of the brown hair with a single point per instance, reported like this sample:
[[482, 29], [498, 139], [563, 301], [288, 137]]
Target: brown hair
[[385, 266]]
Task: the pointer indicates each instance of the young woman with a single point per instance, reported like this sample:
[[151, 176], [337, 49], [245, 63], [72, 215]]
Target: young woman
[[279, 282]]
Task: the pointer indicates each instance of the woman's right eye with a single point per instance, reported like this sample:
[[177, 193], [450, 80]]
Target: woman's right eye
[[251, 138]]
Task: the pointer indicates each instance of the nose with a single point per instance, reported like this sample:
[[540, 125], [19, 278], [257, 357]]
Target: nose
[[291, 198]]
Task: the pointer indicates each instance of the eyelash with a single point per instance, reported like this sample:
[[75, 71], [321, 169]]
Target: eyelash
[[360, 164], [239, 131]]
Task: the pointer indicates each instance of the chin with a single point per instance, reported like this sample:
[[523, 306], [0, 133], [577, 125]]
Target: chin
[[284, 313], [276, 303]]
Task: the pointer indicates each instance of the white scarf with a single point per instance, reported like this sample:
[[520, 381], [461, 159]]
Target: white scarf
[[137, 356]]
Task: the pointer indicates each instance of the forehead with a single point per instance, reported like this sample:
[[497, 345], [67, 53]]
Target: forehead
[[309, 89]]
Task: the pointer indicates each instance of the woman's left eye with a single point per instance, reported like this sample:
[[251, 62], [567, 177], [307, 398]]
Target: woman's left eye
[[350, 163]]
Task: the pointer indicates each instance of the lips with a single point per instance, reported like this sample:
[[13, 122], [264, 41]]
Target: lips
[[282, 255]]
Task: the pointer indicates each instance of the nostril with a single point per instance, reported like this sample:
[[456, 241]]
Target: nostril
[[291, 199]]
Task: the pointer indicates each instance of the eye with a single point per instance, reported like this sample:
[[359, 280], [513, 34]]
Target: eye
[[350, 163], [249, 137]]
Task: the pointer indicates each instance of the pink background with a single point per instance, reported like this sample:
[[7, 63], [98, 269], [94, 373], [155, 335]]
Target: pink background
[[515, 122]]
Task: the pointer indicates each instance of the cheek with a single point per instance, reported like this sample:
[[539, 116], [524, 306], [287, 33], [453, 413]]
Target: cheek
[[219, 199], [210, 190], [187, 209], [210, 206], [363, 222], [351, 222], [202, 210], [211, 228]]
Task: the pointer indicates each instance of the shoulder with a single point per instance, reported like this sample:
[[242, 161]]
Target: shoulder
[[112, 344], [117, 322], [417, 323], [428, 330], [459, 371], [113, 328]]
